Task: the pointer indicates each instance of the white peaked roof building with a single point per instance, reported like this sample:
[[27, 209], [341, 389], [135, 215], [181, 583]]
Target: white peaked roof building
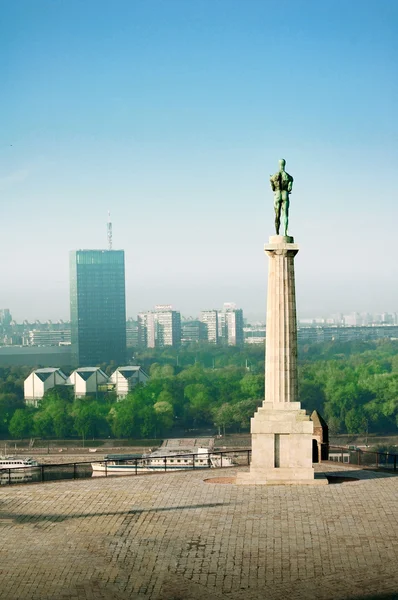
[[41, 380], [86, 380], [126, 378]]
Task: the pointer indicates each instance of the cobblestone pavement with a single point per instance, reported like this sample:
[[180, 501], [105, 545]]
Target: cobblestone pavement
[[174, 537]]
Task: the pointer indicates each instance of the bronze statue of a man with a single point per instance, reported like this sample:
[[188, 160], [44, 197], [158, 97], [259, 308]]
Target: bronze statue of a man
[[281, 184]]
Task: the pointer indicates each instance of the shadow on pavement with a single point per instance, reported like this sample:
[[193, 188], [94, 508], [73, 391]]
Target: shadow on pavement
[[60, 518]]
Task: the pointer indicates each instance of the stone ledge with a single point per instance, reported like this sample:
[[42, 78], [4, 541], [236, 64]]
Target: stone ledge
[[279, 406], [249, 479], [282, 427], [278, 242]]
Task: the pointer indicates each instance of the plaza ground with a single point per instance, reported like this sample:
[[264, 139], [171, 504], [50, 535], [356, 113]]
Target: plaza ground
[[177, 537]]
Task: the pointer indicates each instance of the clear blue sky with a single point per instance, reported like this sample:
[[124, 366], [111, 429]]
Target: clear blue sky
[[172, 114]]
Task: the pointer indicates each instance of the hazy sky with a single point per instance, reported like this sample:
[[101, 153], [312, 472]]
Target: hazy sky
[[172, 114]]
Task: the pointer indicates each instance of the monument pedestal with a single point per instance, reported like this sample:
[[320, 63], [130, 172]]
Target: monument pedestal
[[281, 431], [281, 447]]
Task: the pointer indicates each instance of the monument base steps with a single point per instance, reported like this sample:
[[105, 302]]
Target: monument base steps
[[281, 447]]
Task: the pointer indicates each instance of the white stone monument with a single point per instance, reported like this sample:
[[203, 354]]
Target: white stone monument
[[281, 431]]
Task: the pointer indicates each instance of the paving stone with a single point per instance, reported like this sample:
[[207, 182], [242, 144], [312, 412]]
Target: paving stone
[[173, 536]]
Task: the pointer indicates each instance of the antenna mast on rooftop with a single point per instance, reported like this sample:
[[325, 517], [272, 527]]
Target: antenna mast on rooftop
[[109, 231]]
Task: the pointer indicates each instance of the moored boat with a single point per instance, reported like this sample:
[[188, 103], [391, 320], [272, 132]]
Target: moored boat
[[13, 462], [124, 464], [16, 470]]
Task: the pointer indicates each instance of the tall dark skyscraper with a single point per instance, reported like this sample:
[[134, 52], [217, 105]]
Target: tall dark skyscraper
[[98, 307]]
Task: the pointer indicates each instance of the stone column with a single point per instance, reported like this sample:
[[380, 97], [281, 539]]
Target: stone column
[[281, 340], [281, 430]]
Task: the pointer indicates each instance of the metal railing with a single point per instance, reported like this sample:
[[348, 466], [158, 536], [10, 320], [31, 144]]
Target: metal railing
[[371, 459], [121, 467], [177, 462]]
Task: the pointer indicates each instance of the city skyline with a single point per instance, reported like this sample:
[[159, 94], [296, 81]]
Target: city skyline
[[352, 318], [134, 308], [169, 115]]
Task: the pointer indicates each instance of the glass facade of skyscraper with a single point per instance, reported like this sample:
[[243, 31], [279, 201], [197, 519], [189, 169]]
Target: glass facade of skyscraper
[[98, 307]]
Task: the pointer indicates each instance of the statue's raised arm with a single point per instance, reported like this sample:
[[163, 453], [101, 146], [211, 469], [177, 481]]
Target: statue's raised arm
[[281, 185]]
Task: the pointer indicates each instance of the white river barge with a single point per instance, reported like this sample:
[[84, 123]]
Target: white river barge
[[129, 464], [13, 462], [16, 470]]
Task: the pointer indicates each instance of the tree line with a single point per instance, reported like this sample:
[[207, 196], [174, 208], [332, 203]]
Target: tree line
[[175, 398], [354, 385]]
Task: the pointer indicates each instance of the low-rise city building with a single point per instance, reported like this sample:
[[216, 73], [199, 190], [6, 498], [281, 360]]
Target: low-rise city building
[[33, 356], [49, 337], [40, 381], [193, 331], [126, 378], [87, 380], [320, 334], [254, 334]]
